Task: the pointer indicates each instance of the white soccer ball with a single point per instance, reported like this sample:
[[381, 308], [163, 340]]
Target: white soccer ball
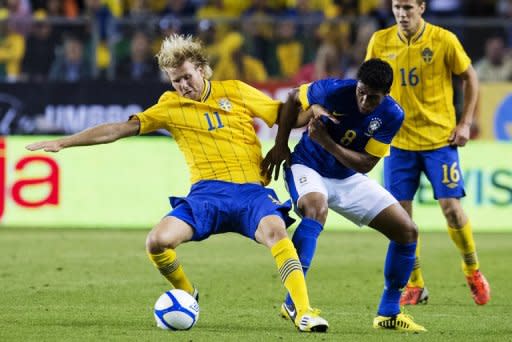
[[176, 310]]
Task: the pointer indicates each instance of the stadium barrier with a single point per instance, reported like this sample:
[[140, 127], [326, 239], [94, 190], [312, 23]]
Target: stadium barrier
[[61, 108], [126, 185]]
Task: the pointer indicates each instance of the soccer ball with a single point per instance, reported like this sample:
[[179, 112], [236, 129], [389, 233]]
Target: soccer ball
[[176, 310]]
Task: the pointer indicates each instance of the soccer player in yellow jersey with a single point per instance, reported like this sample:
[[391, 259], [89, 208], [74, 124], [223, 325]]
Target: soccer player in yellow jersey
[[424, 57], [212, 123]]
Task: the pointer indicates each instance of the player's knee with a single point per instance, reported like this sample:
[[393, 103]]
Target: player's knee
[[157, 241], [317, 212], [152, 243], [453, 214], [272, 235], [409, 232]]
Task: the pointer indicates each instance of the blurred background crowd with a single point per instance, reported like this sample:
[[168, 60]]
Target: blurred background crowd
[[251, 40]]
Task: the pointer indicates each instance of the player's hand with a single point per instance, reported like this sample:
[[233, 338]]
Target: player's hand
[[47, 146], [271, 164], [460, 135], [319, 111], [318, 133]]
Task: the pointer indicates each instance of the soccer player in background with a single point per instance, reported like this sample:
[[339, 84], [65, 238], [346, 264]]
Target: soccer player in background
[[212, 123], [424, 57], [327, 170]]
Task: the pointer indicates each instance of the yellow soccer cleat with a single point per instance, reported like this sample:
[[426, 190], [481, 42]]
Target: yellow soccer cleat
[[311, 321], [400, 322]]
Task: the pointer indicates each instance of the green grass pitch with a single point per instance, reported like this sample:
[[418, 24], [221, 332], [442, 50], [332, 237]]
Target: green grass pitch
[[98, 285]]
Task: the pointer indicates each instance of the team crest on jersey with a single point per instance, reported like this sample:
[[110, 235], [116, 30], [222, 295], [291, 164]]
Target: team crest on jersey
[[225, 104], [374, 125], [427, 55]]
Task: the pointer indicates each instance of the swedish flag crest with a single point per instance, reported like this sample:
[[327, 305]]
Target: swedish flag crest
[[427, 55]]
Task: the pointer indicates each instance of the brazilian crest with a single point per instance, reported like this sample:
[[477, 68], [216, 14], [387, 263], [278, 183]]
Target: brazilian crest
[[427, 55], [374, 125], [225, 104]]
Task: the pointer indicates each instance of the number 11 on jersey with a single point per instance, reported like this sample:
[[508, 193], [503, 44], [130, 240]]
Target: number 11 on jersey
[[210, 122]]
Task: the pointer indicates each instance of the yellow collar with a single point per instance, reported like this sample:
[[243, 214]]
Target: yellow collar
[[207, 88], [416, 36]]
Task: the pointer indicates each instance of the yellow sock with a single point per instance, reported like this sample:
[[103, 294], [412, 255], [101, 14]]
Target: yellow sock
[[170, 267], [416, 278], [463, 239], [291, 274]]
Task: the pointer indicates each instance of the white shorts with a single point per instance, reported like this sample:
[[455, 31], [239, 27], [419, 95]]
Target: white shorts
[[357, 198]]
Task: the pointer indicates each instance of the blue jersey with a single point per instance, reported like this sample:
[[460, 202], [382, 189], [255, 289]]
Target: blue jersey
[[371, 133]]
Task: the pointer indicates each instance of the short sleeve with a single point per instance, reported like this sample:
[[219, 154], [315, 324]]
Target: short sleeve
[[314, 93], [369, 50], [303, 96], [155, 117], [379, 144], [457, 58], [259, 104]]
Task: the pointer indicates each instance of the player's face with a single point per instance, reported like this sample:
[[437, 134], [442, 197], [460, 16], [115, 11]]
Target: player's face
[[408, 15], [188, 80], [367, 98]]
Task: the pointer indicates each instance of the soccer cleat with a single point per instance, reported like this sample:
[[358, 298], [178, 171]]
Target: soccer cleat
[[413, 295], [195, 294], [480, 289], [311, 321], [400, 322], [288, 311]]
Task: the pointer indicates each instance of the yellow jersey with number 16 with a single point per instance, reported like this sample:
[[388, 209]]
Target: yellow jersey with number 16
[[422, 70], [216, 134]]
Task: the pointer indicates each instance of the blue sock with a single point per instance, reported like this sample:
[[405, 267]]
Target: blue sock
[[397, 270], [304, 240]]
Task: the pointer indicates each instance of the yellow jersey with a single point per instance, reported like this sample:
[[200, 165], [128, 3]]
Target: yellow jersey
[[422, 70], [215, 134]]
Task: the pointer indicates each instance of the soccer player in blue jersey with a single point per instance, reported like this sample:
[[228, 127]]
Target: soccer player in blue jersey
[[212, 123], [350, 126]]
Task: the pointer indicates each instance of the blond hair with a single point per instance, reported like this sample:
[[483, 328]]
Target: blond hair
[[177, 49]]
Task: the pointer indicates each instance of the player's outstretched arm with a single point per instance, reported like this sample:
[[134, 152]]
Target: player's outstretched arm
[[101, 134]]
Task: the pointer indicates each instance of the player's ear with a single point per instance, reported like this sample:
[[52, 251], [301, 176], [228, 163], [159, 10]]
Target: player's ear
[[201, 71], [423, 7]]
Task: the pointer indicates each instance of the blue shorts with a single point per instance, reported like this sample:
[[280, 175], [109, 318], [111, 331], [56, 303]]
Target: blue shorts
[[402, 170], [215, 207]]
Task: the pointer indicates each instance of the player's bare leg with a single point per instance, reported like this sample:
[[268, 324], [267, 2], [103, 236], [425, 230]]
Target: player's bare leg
[[161, 243]]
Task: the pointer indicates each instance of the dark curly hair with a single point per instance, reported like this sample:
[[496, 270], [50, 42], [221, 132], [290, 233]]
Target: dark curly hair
[[376, 74]]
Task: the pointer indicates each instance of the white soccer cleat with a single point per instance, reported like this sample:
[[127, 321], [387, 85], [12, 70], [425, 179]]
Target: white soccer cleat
[[311, 321]]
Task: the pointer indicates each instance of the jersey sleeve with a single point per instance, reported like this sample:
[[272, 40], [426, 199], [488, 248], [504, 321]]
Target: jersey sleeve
[[379, 144], [314, 93], [457, 58], [259, 104], [369, 50], [155, 117]]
